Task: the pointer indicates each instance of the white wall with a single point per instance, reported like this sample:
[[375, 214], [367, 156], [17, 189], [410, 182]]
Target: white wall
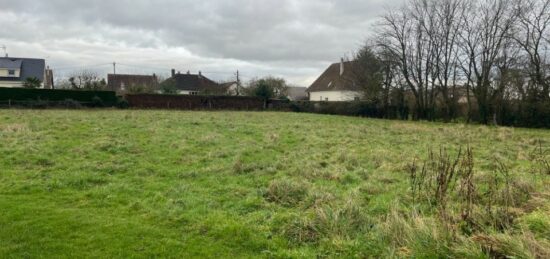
[[11, 84], [185, 92], [334, 96], [4, 72], [232, 90]]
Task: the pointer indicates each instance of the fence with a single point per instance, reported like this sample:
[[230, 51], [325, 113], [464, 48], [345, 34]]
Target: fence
[[194, 102]]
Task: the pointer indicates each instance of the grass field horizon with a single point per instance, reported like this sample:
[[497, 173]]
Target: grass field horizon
[[135, 183]]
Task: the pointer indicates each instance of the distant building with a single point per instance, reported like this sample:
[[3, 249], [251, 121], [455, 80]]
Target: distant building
[[198, 84], [230, 88], [297, 93], [15, 71], [123, 84], [336, 84]]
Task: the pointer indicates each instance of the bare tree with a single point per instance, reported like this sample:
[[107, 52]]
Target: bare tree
[[486, 28], [532, 34], [87, 80], [442, 47], [403, 34], [449, 19]]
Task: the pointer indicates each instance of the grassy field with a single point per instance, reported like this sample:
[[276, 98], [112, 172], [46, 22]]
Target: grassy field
[[111, 183]]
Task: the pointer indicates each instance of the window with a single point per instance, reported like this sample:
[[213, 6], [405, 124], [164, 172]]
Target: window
[[122, 86], [326, 99], [11, 72]]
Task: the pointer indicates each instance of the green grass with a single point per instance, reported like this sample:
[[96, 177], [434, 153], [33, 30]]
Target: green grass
[[111, 183]]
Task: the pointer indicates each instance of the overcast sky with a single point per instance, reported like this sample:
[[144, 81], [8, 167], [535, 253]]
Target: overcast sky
[[295, 39]]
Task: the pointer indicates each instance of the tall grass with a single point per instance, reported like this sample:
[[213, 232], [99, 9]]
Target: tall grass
[[485, 211]]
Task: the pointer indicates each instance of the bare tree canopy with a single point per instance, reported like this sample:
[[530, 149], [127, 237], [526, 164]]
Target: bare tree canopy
[[490, 54]]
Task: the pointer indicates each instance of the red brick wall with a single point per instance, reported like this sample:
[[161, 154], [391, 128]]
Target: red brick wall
[[192, 102]]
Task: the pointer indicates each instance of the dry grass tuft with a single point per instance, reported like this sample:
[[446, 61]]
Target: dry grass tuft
[[286, 192], [14, 128]]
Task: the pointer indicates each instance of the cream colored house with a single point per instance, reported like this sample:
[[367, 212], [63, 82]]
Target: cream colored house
[[336, 84], [15, 71]]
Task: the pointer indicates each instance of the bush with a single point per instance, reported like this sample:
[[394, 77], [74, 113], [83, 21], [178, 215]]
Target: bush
[[97, 102], [122, 103], [32, 82], [356, 108], [38, 104], [15, 95], [71, 104]]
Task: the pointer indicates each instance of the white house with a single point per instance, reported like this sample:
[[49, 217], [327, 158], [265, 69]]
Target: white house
[[15, 71], [336, 84]]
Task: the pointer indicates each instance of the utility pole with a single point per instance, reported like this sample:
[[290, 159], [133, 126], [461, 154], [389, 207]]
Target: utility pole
[[114, 68]]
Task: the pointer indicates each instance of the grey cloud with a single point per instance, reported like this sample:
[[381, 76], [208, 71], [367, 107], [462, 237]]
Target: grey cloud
[[275, 36]]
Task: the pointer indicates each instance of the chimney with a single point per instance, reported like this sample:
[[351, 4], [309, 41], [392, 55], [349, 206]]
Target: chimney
[[188, 72], [341, 66], [200, 74], [173, 72]]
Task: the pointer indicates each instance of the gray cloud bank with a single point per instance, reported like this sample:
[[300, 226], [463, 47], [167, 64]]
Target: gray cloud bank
[[295, 39]]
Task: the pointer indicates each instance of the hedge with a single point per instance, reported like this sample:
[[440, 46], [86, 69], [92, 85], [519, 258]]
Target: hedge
[[355, 108], [108, 98]]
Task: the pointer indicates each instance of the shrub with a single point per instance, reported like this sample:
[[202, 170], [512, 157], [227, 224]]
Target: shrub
[[38, 104], [24, 94], [71, 104], [97, 102], [122, 103], [32, 83], [356, 108]]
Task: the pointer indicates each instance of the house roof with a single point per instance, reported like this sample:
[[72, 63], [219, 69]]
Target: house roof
[[30, 67], [115, 81], [192, 82], [331, 80], [8, 63]]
